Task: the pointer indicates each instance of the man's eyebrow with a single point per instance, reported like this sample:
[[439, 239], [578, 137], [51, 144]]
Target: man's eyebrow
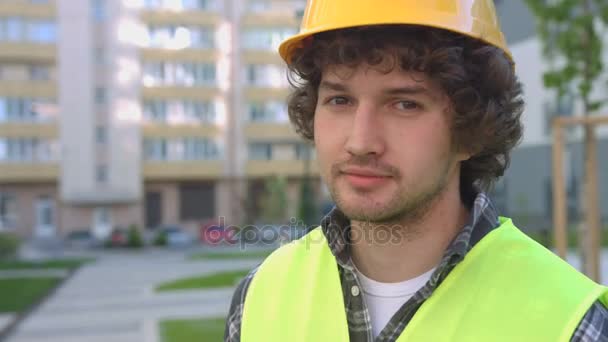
[[406, 90], [327, 85]]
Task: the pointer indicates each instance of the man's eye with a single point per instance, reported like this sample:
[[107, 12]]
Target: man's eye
[[337, 101], [406, 105]]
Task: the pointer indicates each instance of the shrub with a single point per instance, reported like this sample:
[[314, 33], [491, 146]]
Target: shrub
[[134, 239], [9, 245], [160, 239]]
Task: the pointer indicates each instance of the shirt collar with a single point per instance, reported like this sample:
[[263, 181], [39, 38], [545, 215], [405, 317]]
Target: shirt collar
[[483, 218]]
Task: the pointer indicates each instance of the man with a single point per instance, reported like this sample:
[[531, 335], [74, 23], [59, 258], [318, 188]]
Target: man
[[413, 107]]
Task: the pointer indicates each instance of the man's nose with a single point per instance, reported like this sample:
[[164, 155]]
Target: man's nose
[[366, 136]]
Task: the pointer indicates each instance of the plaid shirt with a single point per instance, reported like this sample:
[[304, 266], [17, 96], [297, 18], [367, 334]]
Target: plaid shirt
[[483, 219]]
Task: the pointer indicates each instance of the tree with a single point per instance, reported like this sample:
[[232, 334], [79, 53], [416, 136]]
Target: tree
[[274, 204], [307, 211], [571, 32]]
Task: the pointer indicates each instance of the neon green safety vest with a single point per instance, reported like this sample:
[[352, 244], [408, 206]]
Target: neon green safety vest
[[507, 288]]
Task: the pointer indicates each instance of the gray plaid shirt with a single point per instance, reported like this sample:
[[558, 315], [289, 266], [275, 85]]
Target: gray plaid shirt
[[483, 219]]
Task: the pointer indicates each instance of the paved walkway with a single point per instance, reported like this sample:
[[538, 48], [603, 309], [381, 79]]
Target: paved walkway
[[112, 300], [5, 319]]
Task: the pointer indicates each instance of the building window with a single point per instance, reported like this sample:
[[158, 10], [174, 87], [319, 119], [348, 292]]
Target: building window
[[258, 6], [101, 134], [100, 96], [271, 112], [304, 151], [265, 75], [39, 31], [155, 110], [159, 149], [8, 211], [199, 149], [15, 109], [39, 72], [195, 74], [180, 37], [155, 149], [27, 150], [199, 4], [266, 38], [179, 74], [197, 111], [14, 29], [98, 10], [260, 151], [101, 173], [100, 56], [180, 4]]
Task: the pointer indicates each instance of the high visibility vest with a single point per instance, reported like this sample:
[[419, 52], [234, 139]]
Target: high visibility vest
[[507, 288]]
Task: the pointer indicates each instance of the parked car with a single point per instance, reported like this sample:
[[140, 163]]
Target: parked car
[[214, 233], [81, 239], [118, 238], [175, 236]]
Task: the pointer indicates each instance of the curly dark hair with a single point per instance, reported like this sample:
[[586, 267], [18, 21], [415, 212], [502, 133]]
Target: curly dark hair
[[478, 78]]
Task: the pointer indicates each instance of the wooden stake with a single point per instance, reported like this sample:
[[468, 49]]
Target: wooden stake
[[592, 219], [560, 214]]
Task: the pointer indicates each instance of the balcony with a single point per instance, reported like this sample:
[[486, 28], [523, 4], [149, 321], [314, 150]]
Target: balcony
[[32, 89], [190, 17], [270, 131], [185, 55], [27, 9], [153, 130], [288, 168], [182, 170], [271, 19], [27, 52], [256, 93], [180, 92], [29, 130], [11, 172], [252, 56]]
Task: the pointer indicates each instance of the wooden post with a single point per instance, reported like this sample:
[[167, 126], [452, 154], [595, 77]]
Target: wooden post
[[560, 213], [560, 216], [592, 219]]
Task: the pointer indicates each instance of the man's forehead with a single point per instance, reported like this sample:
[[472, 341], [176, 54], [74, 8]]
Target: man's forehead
[[396, 76]]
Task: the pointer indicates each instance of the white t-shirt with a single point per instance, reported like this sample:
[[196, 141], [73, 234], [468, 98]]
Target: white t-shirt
[[384, 299]]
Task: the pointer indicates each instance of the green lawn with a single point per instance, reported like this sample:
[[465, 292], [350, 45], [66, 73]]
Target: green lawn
[[20, 293], [59, 263], [241, 254], [223, 279], [200, 330]]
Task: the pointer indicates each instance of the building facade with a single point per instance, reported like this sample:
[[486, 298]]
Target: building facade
[[142, 112], [525, 191]]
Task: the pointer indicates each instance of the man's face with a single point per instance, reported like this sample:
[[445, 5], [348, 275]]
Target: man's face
[[383, 142]]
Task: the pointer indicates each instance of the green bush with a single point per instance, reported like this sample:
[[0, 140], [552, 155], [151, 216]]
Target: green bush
[[160, 239], [9, 245], [134, 239]]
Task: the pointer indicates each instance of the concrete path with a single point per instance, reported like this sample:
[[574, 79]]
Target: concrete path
[[6, 319], [112, 300]]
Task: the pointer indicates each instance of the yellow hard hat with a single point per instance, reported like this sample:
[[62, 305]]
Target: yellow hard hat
[[474, 18]]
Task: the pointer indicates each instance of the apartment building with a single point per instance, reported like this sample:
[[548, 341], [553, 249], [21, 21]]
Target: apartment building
[[145, 112]]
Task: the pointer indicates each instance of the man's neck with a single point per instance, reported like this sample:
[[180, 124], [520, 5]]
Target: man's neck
[[415, 248]]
